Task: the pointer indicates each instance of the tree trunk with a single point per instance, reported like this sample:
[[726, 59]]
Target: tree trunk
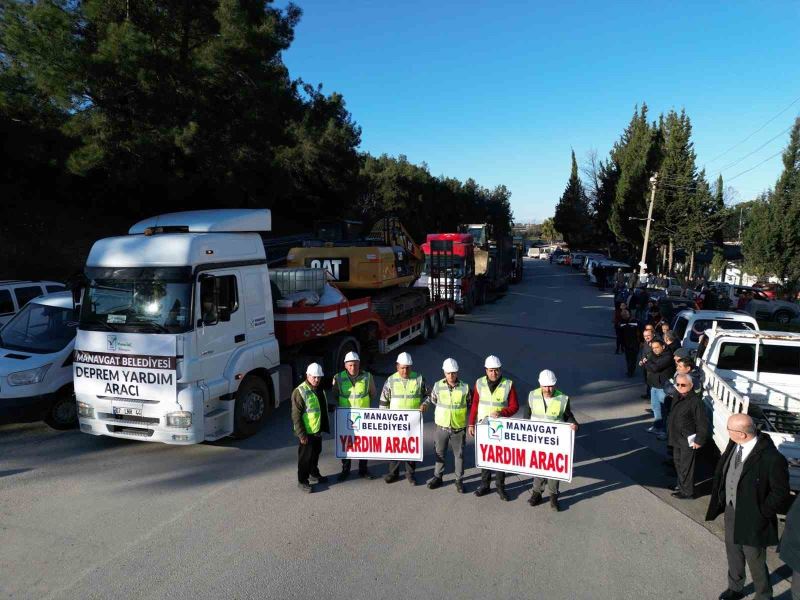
[[691, 266]]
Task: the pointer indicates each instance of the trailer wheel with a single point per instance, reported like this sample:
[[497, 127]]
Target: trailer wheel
[[480, 298], [442, 319], [63, 412], [253, 406], [469, 302], [425, 332], [435, 325]]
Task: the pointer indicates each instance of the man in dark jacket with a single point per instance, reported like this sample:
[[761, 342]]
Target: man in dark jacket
[[790, 546], [309, 420], [659, 366], [751, 486], [688, 431], [629, 332]]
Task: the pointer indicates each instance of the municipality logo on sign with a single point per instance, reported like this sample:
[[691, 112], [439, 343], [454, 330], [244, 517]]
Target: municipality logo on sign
[[495, 430], [112, 342], [354, 423]]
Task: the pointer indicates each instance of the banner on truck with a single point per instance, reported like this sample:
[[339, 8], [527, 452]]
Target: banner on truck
[[378, 434], [535, 448], [119, 365]]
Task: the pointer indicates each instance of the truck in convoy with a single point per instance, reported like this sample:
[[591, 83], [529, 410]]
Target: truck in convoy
[[186, 335], [458, 271], [756, 373], [493, 261], [517, 252]]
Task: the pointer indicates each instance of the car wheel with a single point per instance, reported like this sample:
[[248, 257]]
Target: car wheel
[[63, 413], [782, 317], [253, 407]]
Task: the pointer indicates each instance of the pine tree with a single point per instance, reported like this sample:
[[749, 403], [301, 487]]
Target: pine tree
[[572, 211]]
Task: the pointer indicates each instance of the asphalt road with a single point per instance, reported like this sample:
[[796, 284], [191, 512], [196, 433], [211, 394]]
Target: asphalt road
[[87, 517]]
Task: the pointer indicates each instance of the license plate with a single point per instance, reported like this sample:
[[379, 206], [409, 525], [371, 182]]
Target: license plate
[[127, 411]]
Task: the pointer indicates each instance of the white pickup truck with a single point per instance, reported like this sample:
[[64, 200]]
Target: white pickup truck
[[757, 373]]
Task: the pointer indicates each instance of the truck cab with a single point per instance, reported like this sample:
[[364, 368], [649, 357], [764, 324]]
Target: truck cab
[[689, 324], [176, 339], [458, 267]]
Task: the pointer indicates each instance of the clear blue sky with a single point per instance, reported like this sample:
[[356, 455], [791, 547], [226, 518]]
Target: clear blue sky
[[501, 91]]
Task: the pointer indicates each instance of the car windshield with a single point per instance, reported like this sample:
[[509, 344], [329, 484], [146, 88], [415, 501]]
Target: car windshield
[[40, 329], [138, 300]]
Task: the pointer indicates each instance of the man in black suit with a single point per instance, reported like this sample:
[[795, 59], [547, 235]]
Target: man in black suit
[[751, 486]]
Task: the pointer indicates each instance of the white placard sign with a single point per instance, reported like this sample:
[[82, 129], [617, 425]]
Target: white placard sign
[[120, 365], [536, 448], [379, 434]]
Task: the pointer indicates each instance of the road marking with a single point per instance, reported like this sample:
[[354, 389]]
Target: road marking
[[529, 328]]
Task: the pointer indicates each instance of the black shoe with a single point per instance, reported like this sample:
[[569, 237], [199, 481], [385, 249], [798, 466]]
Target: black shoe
[[390, 478], [304, 487], [502, 493], [681, 496], [535, 499], [554, 503], [481, 491], [731, 595], [343, 475], [318, 479], [459, 486], [434, 482], [366, 474], [411, 480]]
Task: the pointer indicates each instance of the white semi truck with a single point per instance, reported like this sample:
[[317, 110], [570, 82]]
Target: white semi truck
[[756, 373], [183, 337]]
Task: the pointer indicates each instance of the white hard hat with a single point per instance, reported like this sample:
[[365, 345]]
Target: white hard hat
[[404, 359], [492, 362], [351, 356], [547, 377], [450, 366], [315, 370]]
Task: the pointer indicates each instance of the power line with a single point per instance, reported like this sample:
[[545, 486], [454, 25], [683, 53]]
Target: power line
[[736, 145], [756, 165], [736, 162]]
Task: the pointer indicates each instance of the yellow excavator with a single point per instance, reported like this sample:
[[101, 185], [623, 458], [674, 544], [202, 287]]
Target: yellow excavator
[[383, 263]]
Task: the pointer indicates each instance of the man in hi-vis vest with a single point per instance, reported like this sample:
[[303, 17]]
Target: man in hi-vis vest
[[546, 403], [355, 389], [403, 390], [309, 420], [449, 396], [493, 396]]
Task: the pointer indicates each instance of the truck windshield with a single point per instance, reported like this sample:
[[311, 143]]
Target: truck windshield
[[40, 329], [452, 266], [153, 300]]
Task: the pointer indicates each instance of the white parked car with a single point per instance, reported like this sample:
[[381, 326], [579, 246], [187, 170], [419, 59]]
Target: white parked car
[[689, 325], [36, 348], [15, 294]]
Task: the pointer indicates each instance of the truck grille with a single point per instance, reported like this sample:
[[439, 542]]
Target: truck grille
[[132, 431], [133, 420]]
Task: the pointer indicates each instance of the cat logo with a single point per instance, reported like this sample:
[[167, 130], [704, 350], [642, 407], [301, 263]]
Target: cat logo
[[339, 268]]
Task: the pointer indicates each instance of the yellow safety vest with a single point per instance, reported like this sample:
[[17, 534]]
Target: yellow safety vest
[[353, 395], [406, 393], [555, 409], [490, 402], [312, 418], [451, 405]]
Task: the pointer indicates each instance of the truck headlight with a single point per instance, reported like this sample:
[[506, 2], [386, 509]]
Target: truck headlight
[[28, 377], [85, 410], [181, 419]]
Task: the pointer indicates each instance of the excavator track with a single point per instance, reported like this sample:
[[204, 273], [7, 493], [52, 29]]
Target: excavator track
[[397, 304]]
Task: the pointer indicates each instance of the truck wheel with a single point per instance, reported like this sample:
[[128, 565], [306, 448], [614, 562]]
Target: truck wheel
[[253, 407], [442, 319], [436, 326], [480, 298], [782, 317], [335, 351], [63, 413], [425, 332]]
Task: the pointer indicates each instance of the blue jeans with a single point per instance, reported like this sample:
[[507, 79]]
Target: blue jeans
[[657, 396]]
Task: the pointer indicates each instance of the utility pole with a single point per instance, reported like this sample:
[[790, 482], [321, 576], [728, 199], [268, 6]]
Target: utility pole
[[642, 263]]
